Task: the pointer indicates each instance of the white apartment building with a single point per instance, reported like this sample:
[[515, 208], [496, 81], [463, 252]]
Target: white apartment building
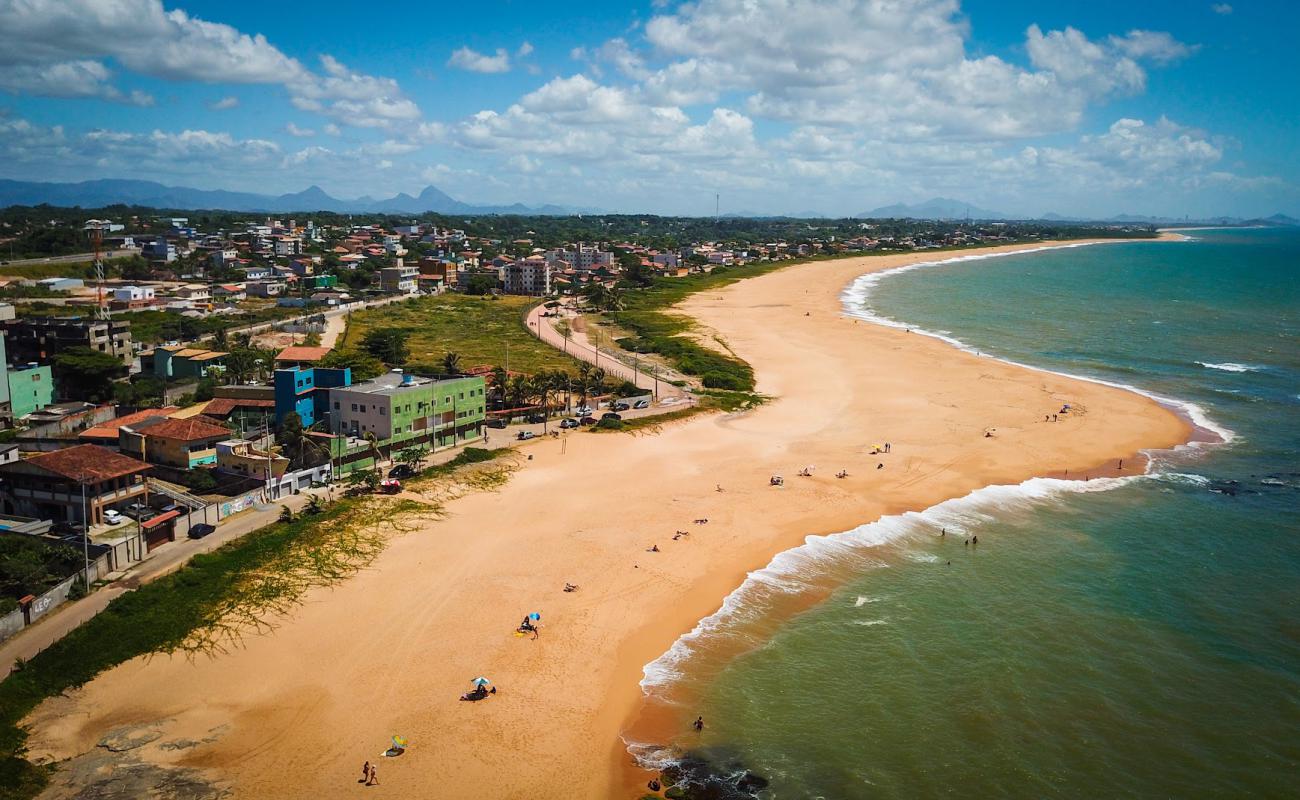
[[127, 294], [530, 275]]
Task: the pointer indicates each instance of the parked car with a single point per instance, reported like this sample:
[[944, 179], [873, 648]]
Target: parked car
[[587, 420], [200, 530], [610, 415], [641, 404], [402, 471], [496, 422], [584, 411], [524, 436], [534, 418], [568, 423], [620, 406], [113, 516], [67, 528], [138, 511]]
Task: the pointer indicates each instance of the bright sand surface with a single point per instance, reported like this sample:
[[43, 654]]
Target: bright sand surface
[[295, 712]]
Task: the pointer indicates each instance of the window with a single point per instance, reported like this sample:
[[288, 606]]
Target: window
[[336, 405], [363, 408], [354, 406], [383, 412]]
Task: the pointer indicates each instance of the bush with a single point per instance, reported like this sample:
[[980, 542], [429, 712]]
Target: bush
[[723, 380], [610, 424]]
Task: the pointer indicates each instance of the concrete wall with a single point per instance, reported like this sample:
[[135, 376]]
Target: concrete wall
[[11, 623]]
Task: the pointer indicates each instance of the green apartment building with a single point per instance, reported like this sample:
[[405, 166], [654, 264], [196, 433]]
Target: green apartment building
[[404, 410]]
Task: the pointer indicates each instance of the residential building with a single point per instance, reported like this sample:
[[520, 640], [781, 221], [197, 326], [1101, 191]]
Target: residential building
[[158, 250], [305, 390], [223, 257], [229, 292], [30, 389], [51, 485], [37, 339], [181, 443], [127, 294], [531, 275], [240, 457], [266, 288], [300, 356], [287, 245], [178, 362], [255, 272], [401, 278], [241, 414], [105, 434], [196, 293], [398, 408]]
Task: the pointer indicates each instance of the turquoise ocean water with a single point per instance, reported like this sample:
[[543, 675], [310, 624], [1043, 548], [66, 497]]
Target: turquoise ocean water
[[1134, 638]]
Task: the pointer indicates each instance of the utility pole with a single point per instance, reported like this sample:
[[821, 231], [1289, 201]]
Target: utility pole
[[85, 533]]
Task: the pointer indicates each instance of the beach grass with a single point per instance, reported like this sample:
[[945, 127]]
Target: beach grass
[[478, 328], [240, 588]]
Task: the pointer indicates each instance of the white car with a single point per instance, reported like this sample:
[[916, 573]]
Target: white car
[[584, 411], [112, 517], [641, 404]]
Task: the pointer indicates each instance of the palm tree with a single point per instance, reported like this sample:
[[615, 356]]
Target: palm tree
[[372, 442], [499, 379], [451, 363], [301, 449], [598, 379], [606, 298], [518, 392]]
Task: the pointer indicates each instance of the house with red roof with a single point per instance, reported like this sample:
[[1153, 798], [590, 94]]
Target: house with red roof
[[181, 443], [74, 484]]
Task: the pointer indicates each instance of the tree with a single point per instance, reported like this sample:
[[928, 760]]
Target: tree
[[413, 457], [86, 374], [299, 447], [387, 344], [205, 389], [480, 284], [362, 480], [220, 339], [241, 364], [451, 363], [499, 380], [606, 298], [372, 441], [143, 392]]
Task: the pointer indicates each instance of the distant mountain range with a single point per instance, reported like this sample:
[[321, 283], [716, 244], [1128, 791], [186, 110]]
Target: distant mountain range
[[937, 208], [98, 193]]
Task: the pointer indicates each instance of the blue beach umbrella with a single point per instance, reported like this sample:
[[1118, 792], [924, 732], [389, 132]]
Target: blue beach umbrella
[[480, 681], [534, 615]]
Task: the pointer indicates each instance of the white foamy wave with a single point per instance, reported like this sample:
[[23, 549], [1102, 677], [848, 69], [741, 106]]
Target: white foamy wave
[[1188, 478], [791, 571], [863, 600], [1229, 366], [856, 295], [870, 623]]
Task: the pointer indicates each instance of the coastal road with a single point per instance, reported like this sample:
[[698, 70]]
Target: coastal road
[[69, 259], [580, 347]]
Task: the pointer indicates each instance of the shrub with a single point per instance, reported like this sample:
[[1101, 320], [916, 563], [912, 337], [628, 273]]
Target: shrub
[[723, 380]]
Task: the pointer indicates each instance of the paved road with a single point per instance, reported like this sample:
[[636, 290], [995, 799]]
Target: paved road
[[580, 347], [69, 259]]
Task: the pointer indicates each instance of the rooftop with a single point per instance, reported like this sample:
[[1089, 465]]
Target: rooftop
[[302, 353], [186, 430], [393, 382], [87, 462], [109, 429]]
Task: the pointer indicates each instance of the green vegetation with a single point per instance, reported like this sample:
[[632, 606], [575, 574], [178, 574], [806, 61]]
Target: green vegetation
[[156, 327], [87, 374], [29, 565], [387, 344], [663, 333], [478, 329], [205, 606]]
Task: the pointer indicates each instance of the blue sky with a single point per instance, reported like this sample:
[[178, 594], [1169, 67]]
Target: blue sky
[[838, 106]]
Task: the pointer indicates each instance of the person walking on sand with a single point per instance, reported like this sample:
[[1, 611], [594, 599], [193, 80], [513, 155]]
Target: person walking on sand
[[886, 447], [365, 772], [373, 778], [698, 724]]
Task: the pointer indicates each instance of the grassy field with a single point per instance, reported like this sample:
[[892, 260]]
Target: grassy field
[[205, 606], [476, 327]]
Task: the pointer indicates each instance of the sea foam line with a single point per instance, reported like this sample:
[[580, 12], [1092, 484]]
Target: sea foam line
[[854, 299], [790, 571]]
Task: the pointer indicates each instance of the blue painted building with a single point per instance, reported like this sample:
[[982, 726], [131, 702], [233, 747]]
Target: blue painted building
[[305, 391]]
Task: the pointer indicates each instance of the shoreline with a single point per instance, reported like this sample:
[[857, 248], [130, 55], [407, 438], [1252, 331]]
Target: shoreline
[[388, 651]]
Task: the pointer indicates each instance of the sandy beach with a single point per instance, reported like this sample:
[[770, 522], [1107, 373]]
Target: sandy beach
[[295, 712]]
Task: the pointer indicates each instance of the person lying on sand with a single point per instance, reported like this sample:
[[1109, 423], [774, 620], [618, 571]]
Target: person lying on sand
[[570, 587], [652, 549]]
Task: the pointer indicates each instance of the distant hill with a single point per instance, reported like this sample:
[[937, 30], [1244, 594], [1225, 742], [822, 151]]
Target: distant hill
[[98, 193], [937, 208]]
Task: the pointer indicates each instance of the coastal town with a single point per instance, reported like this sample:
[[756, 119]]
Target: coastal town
[[193, 374]]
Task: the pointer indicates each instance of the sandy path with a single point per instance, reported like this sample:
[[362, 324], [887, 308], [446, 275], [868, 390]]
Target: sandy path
[[296, 712]]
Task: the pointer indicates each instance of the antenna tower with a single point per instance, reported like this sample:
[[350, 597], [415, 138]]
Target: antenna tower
[[96, 229]]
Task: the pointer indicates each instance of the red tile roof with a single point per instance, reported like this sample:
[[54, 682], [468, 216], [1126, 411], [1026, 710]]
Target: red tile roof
[[302, 353], [109, 429], [222, 406], [87, 462], [186, 430]]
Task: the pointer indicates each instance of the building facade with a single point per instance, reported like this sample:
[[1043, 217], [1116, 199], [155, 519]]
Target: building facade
[[38, 339], [398, 408], [75, 484]]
